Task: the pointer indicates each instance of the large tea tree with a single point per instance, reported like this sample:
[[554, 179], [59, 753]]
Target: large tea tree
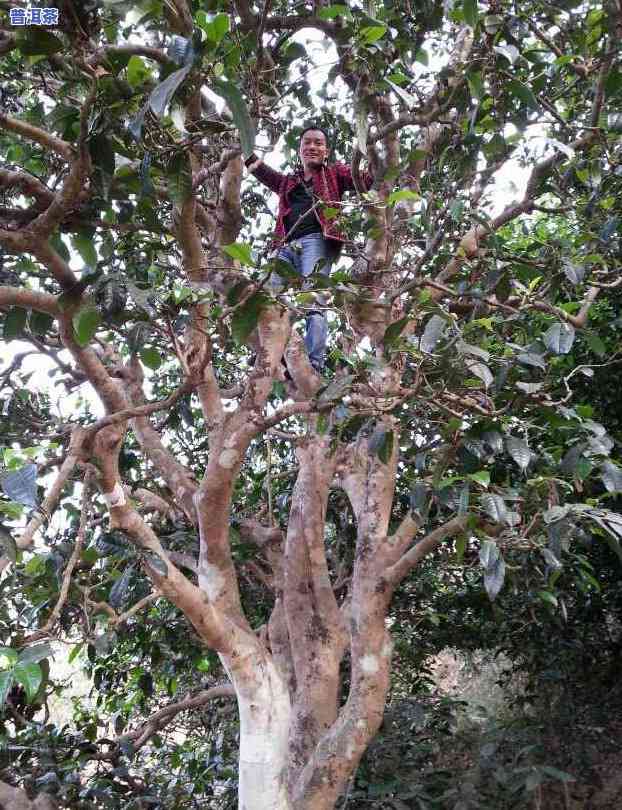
[[280, 513]]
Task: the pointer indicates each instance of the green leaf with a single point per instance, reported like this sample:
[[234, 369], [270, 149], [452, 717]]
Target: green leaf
[[495, 507], [463, 500], [59, 246], [179, 178], [35, 654], [611, 477], [475, 351], [393, 331], [361, 121], [482, 477], [137, 336], [461, 544], [555, 773], [492, 23], [510, 52], [422, 56], [160, 96], [402, 194], [494, 577], [14, 323], [83, 243], [476, 84], [523, 93], [613, 83], [216, 28], [372, 33], [330, 12], [30, 676], [559, 338], [236, 292], [519, 451], [146, 183], [433, 332], [469, 12], [85, 323], [40, 322], [37, 41], [137, 71], [241, 251], [119, 591], [135, 125], [488, 553], [151, 357], [102, 154], [532, 359], [245, 317], [6, 682], [480, 370], [10, 654], [547, 597], [456, 210], [409, 100], [420, 500], [322, 424], [75, 652], [398, 78], [239, 111]]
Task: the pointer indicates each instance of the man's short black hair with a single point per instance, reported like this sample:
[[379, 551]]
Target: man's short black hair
[[312, 126]]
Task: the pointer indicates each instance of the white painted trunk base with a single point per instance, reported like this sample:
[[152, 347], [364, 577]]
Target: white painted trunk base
[[264, 730]]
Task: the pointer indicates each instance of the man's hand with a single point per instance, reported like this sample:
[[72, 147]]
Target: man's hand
[[252, 162]]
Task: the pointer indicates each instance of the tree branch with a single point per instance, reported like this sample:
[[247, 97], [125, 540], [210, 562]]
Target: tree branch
[[40, 136], [161, 718], [29, 299], [48, 627], [396, 573]]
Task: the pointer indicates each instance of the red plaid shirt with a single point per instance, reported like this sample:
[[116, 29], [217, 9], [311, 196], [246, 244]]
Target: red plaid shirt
[[329, 184]]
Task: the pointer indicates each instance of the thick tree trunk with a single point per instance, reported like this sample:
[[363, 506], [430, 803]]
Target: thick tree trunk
[[265, 710]]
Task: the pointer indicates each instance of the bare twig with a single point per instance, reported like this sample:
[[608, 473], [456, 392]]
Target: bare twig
[[48, 627]]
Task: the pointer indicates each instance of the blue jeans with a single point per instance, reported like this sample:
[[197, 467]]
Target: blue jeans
[[305, 255]]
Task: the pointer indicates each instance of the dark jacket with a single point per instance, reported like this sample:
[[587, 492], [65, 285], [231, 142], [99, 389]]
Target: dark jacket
[[329, 184]]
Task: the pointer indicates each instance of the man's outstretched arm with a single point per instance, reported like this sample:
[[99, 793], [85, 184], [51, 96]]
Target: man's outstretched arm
[[269, 177]]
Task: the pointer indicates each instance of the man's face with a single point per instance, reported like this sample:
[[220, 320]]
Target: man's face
[[313, 148]]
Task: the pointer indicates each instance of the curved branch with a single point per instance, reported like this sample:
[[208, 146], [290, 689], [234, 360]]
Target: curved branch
[[101, 54], [396, 573], [177, 476], [164, 716], [140, 410], [29, 299], [29, 185], [48, 627], [40, 136]]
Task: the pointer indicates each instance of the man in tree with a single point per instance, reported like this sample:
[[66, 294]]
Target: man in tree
[[305, 237]]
